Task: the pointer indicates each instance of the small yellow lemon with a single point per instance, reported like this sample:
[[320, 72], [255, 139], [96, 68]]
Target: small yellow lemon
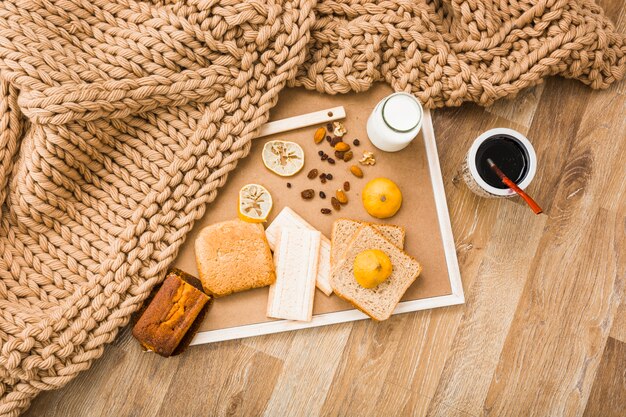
[[381, 198], [371, 267]]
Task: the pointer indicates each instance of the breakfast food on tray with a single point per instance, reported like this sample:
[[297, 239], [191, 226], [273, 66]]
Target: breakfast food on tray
[[381, 198], [171, 313], [255, 203], [289, 218], [371, 268], [233, 256], [380, 301], [283, 158], [296, 259], [344, 230]]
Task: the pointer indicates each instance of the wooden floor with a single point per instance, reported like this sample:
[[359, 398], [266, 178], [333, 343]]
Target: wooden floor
[[542, 332]]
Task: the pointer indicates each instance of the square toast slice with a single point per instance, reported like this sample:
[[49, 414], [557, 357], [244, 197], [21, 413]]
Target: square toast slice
[[380, 301], [344, 229]]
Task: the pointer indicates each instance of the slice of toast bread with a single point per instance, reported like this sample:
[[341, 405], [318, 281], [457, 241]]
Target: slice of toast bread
[[233, 256], [380, 301], [344, 229]]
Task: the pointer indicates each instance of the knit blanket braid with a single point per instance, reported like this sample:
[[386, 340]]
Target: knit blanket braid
[[121, 119]]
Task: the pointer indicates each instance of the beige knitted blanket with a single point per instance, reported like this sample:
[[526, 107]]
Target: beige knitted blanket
[[120, 120]]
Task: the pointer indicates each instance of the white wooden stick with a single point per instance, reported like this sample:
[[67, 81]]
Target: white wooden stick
[[304, 120]]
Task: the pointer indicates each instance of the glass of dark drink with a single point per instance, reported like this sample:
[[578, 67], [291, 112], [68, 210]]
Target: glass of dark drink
[[511, 151]]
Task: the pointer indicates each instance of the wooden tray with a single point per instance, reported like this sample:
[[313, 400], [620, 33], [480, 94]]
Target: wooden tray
[[424, 214]]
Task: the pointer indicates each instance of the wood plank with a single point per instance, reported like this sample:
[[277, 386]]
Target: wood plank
[[367, 358], [220, 379], [618, 329], [574, 287], [490, 308], [276, 345], [308, 371], [519, 109], [608, 395]]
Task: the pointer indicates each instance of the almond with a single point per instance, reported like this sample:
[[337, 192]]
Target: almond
[[358, 172], [319, 135], [342, 147], [341, 196]]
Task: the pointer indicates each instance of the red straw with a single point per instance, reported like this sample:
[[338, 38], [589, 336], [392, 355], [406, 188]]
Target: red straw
[[531, 203]]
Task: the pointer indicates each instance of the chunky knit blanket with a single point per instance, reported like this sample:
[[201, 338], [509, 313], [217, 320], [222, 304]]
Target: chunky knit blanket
[[121, 119]]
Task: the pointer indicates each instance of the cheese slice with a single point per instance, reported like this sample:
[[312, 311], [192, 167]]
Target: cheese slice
[[289, 218], [296, 257]]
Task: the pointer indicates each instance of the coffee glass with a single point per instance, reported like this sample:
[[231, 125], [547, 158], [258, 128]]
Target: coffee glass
[[511, 151]]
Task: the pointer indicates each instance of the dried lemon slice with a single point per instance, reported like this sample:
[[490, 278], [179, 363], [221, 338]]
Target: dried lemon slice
[[283, 158], [255, 203]]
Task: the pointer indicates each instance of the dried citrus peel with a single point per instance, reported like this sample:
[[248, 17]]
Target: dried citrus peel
[[255, 203]]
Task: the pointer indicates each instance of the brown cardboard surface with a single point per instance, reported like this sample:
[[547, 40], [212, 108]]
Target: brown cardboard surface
[[408, 168]]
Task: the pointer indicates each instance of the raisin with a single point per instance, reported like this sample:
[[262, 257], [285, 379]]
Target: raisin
[[307, 194], [329, 177], [339, 154], [324, 157], [346, 185], [322, 194], [288, 185], [325, 211], [329, 127], [356, 142], [312, 174], [331, 161], [320, 153], [334, 141], [335, 203]]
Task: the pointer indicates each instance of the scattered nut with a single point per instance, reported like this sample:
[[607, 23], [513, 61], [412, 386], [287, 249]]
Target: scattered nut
[[319, 135], [322, 194], [347, 156], [339, 129], [346, 186], [335, 203], [356, 171], [325, 211], [341, 196], [312, 174], [307, 194], [368, 158], [356, 142], [342, 147]]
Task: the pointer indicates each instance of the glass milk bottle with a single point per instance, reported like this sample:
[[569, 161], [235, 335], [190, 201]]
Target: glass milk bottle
[[395, 122]]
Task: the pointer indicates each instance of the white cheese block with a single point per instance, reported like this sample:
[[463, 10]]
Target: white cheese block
[[296, 257], [289, 218]]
